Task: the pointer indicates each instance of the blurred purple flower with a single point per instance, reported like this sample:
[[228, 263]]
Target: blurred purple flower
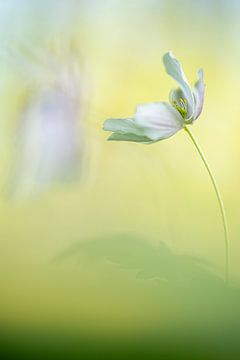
[[50, 137]]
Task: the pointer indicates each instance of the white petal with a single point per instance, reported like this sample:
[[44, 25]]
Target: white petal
[[199, 89], [174, 69], [130, 137], [158, 120], [122, 126]]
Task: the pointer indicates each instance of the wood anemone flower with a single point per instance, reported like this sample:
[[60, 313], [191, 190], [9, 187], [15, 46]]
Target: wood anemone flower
[[160, 120]]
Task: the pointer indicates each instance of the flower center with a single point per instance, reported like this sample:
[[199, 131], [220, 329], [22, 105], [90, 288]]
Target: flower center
[[181, 106]]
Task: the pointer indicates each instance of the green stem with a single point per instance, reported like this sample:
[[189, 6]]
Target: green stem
[[220, 201]]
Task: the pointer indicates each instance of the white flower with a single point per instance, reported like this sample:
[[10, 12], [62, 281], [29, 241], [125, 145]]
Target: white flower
[[157, 121]]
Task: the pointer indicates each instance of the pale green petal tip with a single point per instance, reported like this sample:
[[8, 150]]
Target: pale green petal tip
[[129, 137], [200, 73], [170, 61], [122, 126], [108, 124], [168, 55]]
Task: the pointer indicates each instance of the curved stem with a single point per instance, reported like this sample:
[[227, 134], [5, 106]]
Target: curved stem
[[220, 201]]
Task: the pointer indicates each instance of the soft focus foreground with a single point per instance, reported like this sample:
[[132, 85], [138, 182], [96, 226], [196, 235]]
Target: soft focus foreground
[[118, 251]]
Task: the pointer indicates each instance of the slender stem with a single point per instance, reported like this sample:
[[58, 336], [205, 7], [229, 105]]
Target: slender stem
[[220, 201]]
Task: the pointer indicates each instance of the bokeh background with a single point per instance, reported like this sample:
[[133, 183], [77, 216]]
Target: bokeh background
[[132, 250]]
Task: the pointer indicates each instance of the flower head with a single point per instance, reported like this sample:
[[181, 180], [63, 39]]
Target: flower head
[[159, 120]]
